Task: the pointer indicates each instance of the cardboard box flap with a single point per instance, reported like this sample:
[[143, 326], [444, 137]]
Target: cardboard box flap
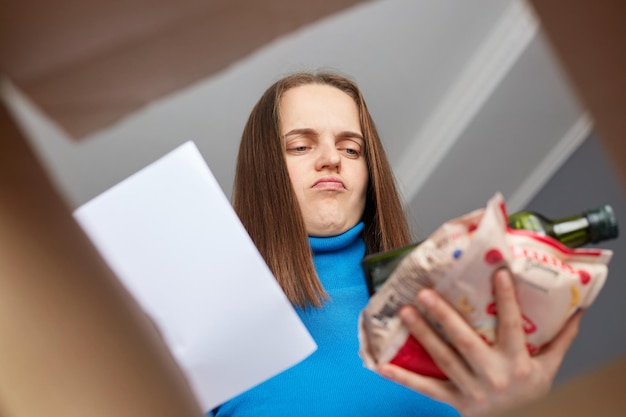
[[88, 64]]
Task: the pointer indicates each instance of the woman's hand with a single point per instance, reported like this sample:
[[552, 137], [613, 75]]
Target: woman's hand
[[483, 379]]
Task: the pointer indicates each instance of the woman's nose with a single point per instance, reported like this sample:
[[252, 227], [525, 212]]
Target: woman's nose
[[328, 158]]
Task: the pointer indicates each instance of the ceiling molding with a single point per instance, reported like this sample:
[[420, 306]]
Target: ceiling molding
[[539, 176], [493, 60]]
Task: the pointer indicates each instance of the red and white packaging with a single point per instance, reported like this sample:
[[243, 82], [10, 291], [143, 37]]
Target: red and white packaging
[[458, 260]]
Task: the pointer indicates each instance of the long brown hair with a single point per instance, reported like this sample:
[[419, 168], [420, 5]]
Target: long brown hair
[[267, 206]]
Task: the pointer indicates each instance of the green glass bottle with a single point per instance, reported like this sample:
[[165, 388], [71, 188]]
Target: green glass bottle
[[591, 226]]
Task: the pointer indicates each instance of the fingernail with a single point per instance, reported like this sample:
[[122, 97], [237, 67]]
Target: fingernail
[[504, 278], [426, 298], [385, 371], [407, 315]]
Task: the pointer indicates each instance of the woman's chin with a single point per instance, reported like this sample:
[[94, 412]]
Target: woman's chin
[[327, 229]]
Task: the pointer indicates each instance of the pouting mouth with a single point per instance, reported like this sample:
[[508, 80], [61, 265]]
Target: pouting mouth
[[329, 180]]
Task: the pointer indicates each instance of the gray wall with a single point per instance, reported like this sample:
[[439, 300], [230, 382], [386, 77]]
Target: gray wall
[[587, 180]]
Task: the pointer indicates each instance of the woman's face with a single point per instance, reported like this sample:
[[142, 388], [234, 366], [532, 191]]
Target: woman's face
[[325, 156]]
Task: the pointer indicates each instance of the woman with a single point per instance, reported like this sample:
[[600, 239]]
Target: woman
[[315, 191]]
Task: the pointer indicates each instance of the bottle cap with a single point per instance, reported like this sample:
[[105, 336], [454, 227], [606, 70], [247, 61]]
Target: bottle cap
[[602, 223]]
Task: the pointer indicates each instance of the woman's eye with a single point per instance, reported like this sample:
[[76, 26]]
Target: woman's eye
[[299, 148], [352, 151]]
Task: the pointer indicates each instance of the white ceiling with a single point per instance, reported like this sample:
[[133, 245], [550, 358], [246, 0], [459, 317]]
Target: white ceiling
[[466, 96]]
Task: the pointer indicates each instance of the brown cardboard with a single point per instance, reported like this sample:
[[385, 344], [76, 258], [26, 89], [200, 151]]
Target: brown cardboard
[[90, 63], [598, 393], [72, 341], [589, 38]]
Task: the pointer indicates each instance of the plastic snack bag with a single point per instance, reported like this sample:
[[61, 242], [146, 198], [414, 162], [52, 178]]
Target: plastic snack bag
[[552, 282]]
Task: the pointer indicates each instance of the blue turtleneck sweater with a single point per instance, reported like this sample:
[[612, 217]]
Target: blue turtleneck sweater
[[333, 382]]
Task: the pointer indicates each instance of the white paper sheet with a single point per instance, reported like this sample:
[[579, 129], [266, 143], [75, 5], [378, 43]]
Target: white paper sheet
[[173, 239]]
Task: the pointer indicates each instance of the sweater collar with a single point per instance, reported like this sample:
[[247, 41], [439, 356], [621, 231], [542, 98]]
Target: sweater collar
[[332, 243]]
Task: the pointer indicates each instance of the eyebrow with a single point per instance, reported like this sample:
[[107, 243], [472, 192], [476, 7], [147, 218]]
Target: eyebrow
[[308, 131]]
